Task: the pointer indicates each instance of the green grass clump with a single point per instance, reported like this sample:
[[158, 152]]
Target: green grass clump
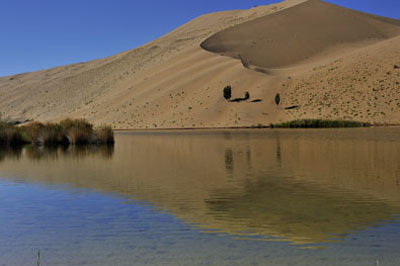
[[319, 123]]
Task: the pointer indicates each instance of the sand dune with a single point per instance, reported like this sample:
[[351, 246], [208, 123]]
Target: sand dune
[[299, 33], [340, 67]]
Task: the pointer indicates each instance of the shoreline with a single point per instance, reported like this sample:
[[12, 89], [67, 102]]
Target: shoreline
[[238, 128]]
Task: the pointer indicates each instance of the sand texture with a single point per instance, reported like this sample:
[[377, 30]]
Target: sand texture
[[331, 62]]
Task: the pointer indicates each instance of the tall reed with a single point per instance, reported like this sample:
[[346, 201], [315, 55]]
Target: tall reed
[[68, 131]]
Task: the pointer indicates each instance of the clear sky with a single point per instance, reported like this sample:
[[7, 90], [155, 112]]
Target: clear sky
[[38, 34]]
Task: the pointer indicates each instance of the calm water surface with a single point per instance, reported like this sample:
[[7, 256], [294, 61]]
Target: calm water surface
[[247, 197]]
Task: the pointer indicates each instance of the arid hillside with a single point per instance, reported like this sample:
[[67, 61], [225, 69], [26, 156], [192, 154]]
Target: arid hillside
[[299, 33], [329, 61]]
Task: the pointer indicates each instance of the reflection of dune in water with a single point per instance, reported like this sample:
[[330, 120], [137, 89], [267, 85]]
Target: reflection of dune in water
[[301, 212], [305, 186]]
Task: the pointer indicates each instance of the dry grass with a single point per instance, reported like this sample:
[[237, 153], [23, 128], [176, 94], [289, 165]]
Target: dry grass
[[68, 131], [32, 132], [78, 131], [9, 134], [52, 134], [43, 134], [104, 134]]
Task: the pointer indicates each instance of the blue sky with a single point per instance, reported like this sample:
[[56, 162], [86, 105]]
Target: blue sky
[[46, 33]]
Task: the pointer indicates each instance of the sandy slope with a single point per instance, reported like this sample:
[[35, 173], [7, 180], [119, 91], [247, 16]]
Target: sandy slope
[[298, 33], [173, 83]]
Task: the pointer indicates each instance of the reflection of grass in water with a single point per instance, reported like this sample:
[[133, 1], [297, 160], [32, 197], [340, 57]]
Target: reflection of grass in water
[[10, 153], [319, 123], [55, 152]]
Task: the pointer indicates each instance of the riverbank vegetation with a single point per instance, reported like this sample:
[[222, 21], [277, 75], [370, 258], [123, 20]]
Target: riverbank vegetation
[[68, 131], [319, 123]]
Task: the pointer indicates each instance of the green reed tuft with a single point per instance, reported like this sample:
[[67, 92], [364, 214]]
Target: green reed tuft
[[319, 123], [38, 258]]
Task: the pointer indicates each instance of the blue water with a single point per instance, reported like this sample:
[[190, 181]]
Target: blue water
[[79, 227]]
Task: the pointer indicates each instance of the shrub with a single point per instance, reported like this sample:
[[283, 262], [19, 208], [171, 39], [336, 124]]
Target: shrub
[[247, 95], [278, 99], [227, 92]]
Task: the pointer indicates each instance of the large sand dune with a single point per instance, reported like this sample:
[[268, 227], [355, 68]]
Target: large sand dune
[[337, 63], [299, 33]]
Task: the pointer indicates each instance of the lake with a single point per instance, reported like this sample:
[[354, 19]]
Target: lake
[[218, 197]]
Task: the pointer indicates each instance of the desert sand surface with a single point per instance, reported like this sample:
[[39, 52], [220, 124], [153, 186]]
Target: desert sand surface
[[299, 33], [332, 62]]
